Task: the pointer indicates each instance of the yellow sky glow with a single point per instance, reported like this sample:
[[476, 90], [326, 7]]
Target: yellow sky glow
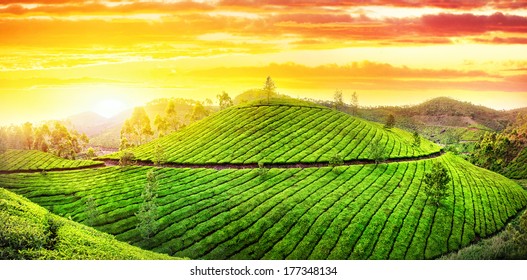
[[65, 58]]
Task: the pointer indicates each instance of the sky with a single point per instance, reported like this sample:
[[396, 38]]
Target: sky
[[62, 57]]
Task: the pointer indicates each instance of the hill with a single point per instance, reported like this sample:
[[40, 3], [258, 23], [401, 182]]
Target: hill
[[374, 211], [29, 231], [254, 95], [283, 131], [31, 160]]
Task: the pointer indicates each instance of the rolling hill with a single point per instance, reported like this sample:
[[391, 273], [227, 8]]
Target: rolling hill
[[373, 211], [227, 209], [284, 131], [29, 231]]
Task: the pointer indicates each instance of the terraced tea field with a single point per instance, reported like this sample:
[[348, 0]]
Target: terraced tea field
[[24, 160], [29, 231], [282, 132], [353, 212]]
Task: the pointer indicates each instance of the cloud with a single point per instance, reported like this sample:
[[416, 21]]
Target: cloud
[[501, 40]]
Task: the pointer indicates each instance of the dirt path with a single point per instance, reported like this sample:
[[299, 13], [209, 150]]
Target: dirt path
[[219, 166]]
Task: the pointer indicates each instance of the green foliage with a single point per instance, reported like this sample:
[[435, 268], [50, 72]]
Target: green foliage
[[127, 159], [147, 213], [159, 155], [417, 139], [36, 160], [262, 171], [336, 160], [224, 100], [390, 122], [286, 131], [28, 231], [509, 244], [436, 183], [504, 152], [376, 150], [91, 153], [368, 211], [92, 213]]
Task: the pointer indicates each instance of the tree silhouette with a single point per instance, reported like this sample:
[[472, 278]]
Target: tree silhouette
[[269, 88]]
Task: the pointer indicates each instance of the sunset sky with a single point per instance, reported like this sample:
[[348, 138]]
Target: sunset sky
[[62, 57]]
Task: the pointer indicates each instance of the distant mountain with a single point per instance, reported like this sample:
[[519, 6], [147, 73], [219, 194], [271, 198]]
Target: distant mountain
[[443, 111]]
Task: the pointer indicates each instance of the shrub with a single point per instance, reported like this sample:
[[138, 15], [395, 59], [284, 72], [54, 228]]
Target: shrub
[[436, 183], [127, 158], [148, 209], [262, 171]]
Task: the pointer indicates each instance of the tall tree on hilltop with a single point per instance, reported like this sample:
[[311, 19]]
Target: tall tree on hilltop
[[137, 128], [269, 88]]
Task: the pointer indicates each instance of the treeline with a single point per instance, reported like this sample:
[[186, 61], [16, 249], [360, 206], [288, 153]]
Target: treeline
[[52, 137], [500, 151], [140, 129]]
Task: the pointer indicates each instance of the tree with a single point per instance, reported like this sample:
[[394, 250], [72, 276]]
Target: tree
[[224, 100], [262, 171], [27, 130], [198, 112], [390, 122], [376, 150], [338, 103], [91, 211], [171, 118], [417, 139], [91, 153], [269, 88], [161, 125], [63, 143], [137, 128], [354, 104], [159, 155], [127, 158], [147, 213], [436, 183]]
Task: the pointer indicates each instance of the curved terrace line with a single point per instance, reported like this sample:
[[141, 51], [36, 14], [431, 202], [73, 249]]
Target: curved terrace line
[[220, 166]]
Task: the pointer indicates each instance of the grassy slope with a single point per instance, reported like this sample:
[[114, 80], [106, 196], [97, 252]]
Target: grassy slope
[[361, 211], [286, 130], [37, 160], [28, 231]]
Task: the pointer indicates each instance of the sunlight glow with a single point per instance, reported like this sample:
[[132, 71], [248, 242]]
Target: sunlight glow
[[109, 108]]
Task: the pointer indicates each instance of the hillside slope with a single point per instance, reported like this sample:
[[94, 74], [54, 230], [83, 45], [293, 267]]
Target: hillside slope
[[284, 131], [353, 212], [24, 160], [28, 231]]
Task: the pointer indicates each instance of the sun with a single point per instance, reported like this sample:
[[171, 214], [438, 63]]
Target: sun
[[109, 108]]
